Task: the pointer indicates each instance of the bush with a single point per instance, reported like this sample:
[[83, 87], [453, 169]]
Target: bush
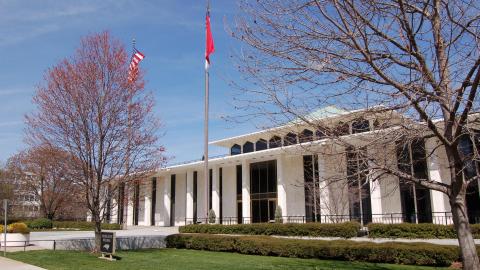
[[40, 223], [2, 228], [411, 230], [211, 216], [399, 253], [18, 228], [84, 225], [344, 230], [278, 214]]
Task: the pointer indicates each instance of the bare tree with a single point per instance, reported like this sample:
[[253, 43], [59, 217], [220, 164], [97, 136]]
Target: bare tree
[[417, 58], [88, 107], [50, 175]]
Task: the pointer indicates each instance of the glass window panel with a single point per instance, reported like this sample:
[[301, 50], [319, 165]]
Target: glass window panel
[[306, 136], [235, 150], [290, 139], [275, 142], [260, 145], [248, 147], [360, 125]]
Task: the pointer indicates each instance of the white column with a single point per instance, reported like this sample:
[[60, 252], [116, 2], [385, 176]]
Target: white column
[[281, 186], [216, 192], [246, 212], [323, 188], [130, 202], [189, 203], [438, 171], [375, 189], [148, 203], [166, 200]]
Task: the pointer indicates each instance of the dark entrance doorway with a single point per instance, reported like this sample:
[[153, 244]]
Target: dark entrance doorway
[[263, 190], [415, 200]]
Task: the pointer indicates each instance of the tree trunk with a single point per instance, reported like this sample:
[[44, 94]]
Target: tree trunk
[[465, 237], [98, 231]]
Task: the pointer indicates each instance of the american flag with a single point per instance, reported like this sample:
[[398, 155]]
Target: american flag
[[133, 70]]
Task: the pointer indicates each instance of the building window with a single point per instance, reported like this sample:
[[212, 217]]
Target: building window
[[342, 129], [305, 136], [415, 199], [210, 187], [360, 125], [239, 194], [154, 201], [172, 199], [136, 202], [310, 174], [358, 185], [220, 187], [260, 145], [469, 150], [235, 150], [263, 190], [290, 139], [247, 147], [195, 190], [121, 203], [275, 142], [320, 133]]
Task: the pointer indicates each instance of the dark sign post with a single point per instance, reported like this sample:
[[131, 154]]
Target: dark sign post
[[107, 247]]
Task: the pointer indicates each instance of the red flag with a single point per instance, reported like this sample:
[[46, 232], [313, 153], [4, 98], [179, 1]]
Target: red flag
[[133, 69], [209, 48]]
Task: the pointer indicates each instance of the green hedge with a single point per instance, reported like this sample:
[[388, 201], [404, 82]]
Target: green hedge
[[398, 253], [84, 225], [345, 230], [410, 230], [40, 223]]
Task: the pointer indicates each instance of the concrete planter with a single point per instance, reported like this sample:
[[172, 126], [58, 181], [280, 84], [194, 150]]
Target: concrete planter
[[20, 239]]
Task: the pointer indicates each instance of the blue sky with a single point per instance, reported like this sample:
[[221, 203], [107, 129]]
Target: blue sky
[[35, 35]]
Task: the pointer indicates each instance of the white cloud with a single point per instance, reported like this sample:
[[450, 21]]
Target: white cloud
[[15, 91]]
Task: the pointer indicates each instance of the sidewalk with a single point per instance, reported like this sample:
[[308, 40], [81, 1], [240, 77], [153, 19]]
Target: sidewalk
[[9, 264]]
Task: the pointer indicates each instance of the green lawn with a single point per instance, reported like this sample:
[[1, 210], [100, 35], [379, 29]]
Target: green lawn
[[185, 259]]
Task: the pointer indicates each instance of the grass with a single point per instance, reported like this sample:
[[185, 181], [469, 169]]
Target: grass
[[185, 259]]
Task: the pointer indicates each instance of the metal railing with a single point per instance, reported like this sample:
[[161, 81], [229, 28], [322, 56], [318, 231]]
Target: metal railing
[[443, 218]]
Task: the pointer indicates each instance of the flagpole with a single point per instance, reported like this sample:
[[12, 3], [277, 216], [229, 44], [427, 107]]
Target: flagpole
[[127, 164], [205, 131], [205, 134]]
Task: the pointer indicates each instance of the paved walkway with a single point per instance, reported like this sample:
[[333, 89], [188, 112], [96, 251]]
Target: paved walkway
[[9, 264]]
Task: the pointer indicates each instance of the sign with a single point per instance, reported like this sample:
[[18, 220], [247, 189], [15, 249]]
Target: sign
[[107, 243]]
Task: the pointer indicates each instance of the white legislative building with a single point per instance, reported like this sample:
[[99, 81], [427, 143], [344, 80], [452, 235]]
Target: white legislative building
[[309, 177]]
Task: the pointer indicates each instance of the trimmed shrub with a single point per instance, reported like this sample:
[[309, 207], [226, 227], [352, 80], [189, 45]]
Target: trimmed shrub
[[40, 223], [211, 216], [111, 226], [18, 228], [278, 214], [398, 253], [84, 225], [344, 230], [2, 228], [411, 230]]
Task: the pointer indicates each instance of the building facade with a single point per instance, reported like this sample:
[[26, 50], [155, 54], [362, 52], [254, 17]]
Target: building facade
[[309, 177]]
